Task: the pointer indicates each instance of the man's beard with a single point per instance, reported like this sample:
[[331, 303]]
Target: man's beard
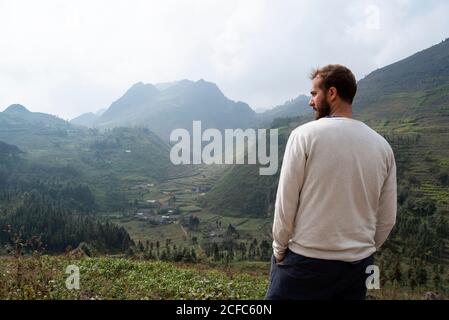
[[323, 111]]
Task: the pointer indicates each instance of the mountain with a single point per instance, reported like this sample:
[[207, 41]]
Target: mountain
[[176, 105], [31, 130], [17, 114], [48, 139], [110, 161], [17, 109], [129, 104], [422, 71], [413, 87], [86, 119], [100, 112], [171, 105], [165, 85], [290, 109]]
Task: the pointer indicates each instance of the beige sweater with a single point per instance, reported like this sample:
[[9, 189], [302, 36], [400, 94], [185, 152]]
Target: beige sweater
[[336, 198]]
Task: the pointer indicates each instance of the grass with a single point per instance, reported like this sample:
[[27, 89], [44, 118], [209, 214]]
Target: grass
[[104, 278], [437, 193], [118, 278]]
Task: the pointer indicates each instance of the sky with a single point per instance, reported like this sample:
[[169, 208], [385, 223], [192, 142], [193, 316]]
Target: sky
[[75, 56]]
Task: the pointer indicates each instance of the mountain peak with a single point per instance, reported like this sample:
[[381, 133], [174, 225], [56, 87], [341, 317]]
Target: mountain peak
[[140, 91], [165, 85], [203, 82], [16, 108], [142, 87]]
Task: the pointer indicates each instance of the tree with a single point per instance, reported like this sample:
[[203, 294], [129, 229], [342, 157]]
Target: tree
[[265, 250], [397, 272], [421, 275], [443, 178], [242, 249], [412, 277], [194, 223], [436, 278], [165, 255], [140, 246], [216, 252]]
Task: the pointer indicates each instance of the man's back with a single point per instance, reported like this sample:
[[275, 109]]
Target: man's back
[[338, 189]]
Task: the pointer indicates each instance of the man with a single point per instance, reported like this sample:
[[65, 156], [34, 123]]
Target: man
[[336, 199]]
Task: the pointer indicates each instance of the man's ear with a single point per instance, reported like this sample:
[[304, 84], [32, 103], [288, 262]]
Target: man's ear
[[332, 93]]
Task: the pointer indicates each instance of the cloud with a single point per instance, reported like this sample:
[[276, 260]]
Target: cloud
[[71, 57]]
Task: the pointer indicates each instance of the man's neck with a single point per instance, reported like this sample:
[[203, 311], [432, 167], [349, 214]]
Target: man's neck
[[343, 110]]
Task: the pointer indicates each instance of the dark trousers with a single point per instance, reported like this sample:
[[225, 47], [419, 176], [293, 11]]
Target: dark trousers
[[302, 278]]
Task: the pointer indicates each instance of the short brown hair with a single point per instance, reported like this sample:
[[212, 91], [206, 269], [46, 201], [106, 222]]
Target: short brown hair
[[338, 76]]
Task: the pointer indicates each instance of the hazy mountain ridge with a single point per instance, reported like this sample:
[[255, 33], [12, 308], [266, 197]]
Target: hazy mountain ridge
[[167, 106], [86, 119], [290, 109], [176, 106], [17, 114]]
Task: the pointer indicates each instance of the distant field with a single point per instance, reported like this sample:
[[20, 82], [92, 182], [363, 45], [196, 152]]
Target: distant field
[[143, 231], [186, 200]]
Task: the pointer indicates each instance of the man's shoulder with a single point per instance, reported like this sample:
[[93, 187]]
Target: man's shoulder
[[306, 127], [309, 129], [316, 128], [376, 135]]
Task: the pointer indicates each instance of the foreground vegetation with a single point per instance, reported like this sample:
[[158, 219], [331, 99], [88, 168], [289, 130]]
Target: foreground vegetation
[[44, 277], [118, 278]]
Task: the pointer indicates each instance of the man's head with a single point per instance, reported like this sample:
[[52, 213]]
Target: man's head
[[333, 89]]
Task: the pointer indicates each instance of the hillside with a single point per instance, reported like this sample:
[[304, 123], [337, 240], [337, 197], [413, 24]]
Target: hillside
[[49, 207], [296, 107], [425, 70], [408, 102], [242, 191], [110, 161], [86, 119]]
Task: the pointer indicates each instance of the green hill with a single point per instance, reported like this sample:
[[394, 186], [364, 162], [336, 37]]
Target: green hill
[[242, 191], [109, 161]]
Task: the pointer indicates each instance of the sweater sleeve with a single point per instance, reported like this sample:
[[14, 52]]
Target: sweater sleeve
[[287, 199], [386, 215]]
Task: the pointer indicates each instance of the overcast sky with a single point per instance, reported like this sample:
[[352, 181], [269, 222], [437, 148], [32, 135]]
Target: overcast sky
[[70, 57]]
